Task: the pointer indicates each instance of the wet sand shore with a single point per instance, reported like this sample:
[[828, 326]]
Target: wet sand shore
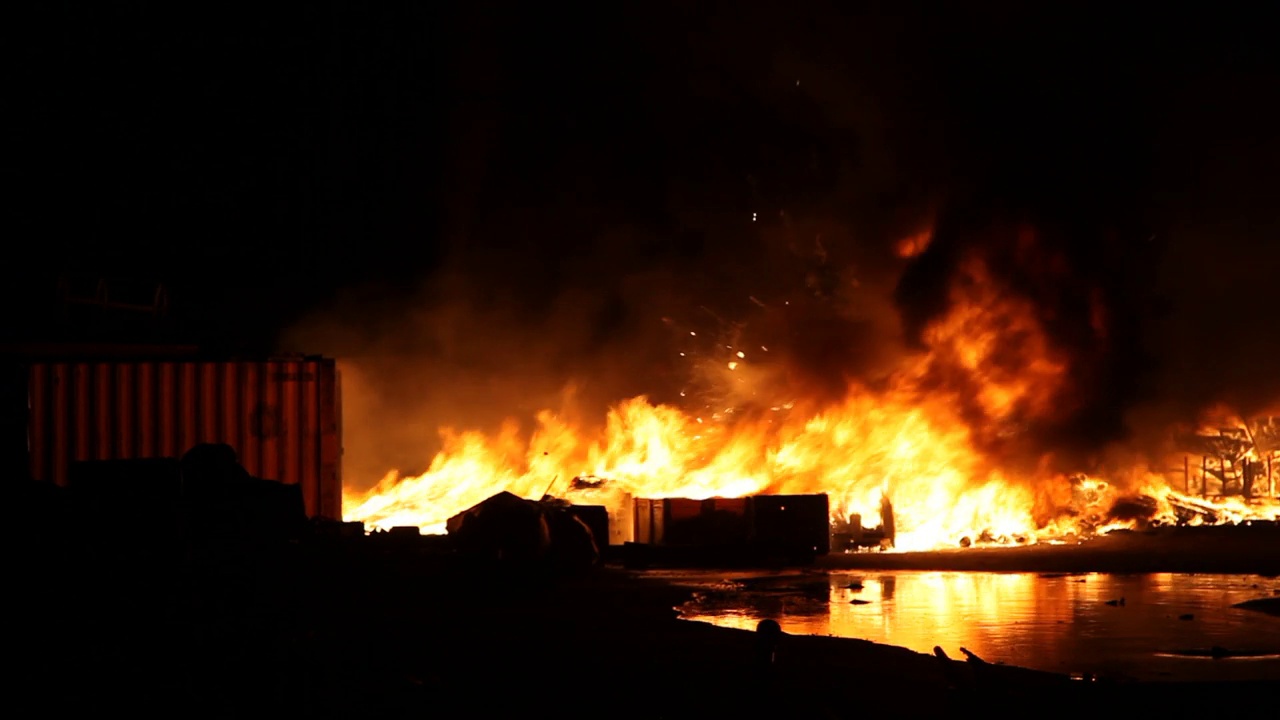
[[610, 644], [370, 631]]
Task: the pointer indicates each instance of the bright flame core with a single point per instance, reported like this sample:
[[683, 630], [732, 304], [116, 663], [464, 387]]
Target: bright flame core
[[916, 439]]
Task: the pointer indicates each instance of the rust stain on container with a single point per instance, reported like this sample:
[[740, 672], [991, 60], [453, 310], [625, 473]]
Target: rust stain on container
[[282, 416]]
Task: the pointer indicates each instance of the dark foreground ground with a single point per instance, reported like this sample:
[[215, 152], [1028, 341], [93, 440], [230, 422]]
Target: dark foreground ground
[[364, 628]]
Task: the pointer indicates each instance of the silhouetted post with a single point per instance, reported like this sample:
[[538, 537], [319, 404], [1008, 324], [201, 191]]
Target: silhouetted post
[[886, 519], [768, 632]]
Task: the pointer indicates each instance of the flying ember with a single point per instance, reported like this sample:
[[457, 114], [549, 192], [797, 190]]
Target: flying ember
[[931, 439]]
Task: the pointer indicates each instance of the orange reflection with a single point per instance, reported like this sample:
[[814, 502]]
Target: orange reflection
[[1061, 623]]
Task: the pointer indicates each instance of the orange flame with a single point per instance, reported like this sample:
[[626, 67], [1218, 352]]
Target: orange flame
[[989, 367]]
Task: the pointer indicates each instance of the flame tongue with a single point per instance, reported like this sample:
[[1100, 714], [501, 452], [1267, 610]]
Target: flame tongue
[[930, 439], [901, 441]]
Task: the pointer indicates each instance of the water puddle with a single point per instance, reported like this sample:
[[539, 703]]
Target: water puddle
[[1146, 627]]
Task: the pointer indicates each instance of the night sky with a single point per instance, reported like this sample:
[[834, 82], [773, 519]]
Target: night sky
[[593, 170]]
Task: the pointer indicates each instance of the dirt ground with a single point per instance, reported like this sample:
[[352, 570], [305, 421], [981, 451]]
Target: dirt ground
[[380, 630]]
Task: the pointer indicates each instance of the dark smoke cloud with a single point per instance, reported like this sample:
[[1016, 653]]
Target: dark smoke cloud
[[466, 354], [474, 347], [1218, 333], [1138, 159], [624, 204], [743, 176]]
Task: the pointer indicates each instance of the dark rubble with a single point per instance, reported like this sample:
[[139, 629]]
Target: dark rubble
[[323, 622]]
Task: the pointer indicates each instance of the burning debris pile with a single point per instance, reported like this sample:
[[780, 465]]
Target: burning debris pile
[[1227, 474], [851, 534], [952, 447], [513, 531], [1234, 460]]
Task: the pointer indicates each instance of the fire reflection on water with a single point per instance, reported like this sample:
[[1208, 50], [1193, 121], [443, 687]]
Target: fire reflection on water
[[1150, 627]]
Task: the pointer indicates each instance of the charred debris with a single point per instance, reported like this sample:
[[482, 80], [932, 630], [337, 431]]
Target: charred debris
[[1239, 461], [554, 535]]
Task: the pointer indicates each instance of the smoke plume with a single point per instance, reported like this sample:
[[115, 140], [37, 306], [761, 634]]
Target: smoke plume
[[725, 229]]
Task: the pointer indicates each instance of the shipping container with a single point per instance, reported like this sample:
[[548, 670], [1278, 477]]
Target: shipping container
[[789, 524], [649, 516], [621, 520], [283, 417], [688, 522]]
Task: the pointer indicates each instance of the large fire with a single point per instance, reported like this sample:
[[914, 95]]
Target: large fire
[[923, 439]]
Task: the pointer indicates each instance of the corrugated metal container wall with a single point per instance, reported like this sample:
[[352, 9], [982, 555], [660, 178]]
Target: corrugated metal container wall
[[786, 522], [283, 417]]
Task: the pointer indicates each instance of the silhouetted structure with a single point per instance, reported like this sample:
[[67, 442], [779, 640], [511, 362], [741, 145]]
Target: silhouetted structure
[[768, 634], [510, 531]]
